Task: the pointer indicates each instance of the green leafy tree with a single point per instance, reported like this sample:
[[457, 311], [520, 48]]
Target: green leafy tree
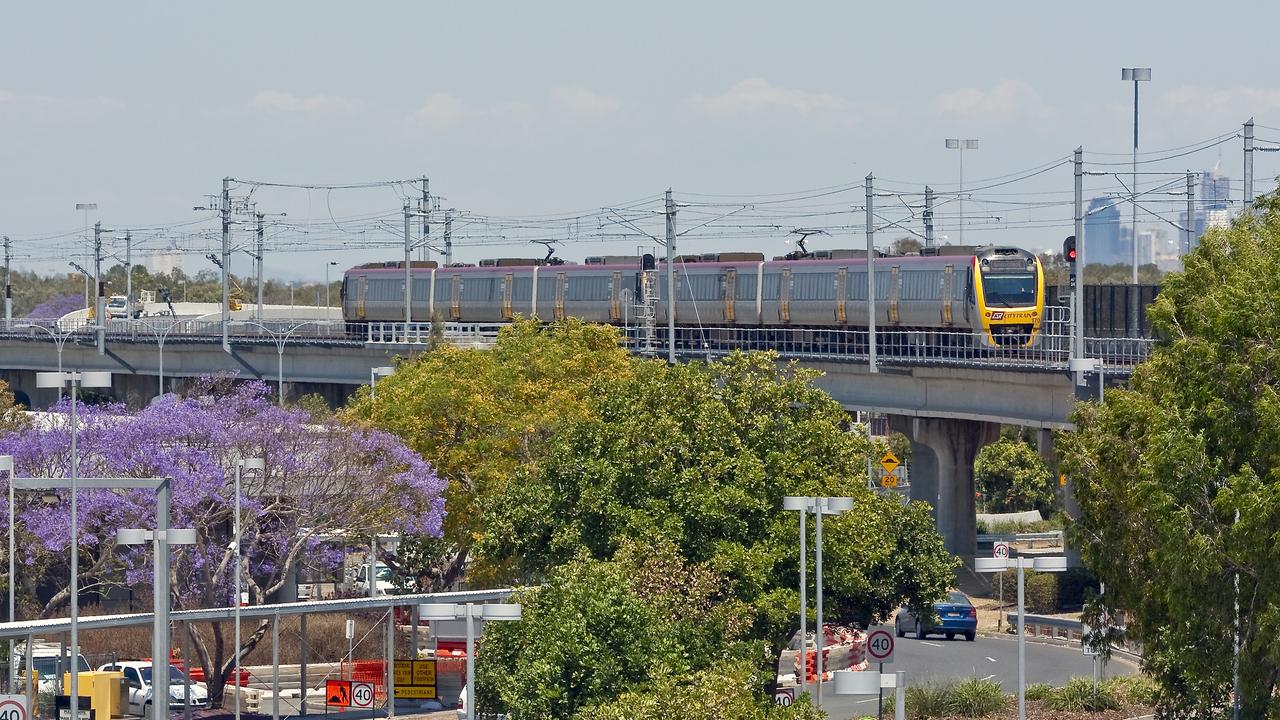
[[480, 415], [725, 690], [701, 456], [1162, 469], [1012, 477]]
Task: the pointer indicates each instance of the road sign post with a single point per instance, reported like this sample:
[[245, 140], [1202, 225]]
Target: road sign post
[[1000, 549], [889, 462], [784, 696], [880, 646]]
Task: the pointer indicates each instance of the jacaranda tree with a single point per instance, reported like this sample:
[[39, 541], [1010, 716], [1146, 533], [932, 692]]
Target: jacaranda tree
[[327, 486]]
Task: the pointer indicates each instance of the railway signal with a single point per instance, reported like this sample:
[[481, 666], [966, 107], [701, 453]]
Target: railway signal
[[1069, 249]]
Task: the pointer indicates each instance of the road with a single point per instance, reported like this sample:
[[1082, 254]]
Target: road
[[938, 659]]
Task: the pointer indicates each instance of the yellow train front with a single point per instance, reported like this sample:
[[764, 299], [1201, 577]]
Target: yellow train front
[[1008, 288]]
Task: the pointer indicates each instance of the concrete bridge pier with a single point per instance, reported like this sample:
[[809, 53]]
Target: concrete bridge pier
[[942, 455]]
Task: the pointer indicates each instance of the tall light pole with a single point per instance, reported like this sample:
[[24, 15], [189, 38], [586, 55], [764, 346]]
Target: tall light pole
[[802, 504], [249, 463], [1136, 75], [280, 338], [961, 145], [76, 379], [469, 612], [1056, 563], [328, 265], [6, 465], [819, 506], [374, 374]]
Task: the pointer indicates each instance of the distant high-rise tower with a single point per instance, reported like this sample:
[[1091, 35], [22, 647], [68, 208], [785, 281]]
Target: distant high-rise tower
[[1213, 203], [1102, 233]]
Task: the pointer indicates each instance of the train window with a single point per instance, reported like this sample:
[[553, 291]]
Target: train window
[[744, 288], [813, 286], [521, 288], [858, 285], [921, 284], [589, 289], [546, 287], [960, 285], [383, 289], [882, 284], [420, 288], [478, 289], [770, 289], [700, 286]]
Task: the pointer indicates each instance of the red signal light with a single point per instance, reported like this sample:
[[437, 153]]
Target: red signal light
[[1069, 249]]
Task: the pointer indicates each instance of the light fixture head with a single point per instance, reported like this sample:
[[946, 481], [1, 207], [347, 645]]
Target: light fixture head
[[180, 536], [252, 463], [990, 565], [50, 379], [440, 611], [837, 505], [1135, 74], [133, 536], [797, 502], [506, 611], [6, 463], [384, 370], [1057, 563], [852, 682], [95, 379]]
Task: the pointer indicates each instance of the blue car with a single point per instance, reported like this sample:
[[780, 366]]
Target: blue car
[[955, 616]]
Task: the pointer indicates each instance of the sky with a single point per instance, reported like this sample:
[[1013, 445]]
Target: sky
[[566, 121]]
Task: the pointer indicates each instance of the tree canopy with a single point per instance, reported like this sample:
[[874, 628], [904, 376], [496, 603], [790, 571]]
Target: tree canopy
[[327, 486], [1012, 477], [1162, 469], [480, 415], [699, 457]]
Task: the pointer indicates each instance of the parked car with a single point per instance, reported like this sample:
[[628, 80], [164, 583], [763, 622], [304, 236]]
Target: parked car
[[137, 675], [44, 657], [384, 580], [953, 616]]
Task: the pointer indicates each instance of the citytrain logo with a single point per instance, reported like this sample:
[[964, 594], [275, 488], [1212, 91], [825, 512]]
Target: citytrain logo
[[1015, 315]]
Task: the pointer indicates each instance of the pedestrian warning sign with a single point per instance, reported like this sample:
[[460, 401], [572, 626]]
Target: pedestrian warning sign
[[337, 693]]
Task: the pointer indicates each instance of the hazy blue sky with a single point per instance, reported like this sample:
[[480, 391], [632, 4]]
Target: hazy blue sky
[[518, 109]]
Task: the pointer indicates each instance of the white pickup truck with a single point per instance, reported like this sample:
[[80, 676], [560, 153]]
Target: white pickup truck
[[137, 675]]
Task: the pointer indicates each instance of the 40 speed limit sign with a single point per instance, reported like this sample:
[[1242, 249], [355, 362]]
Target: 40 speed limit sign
[[13, 707], [880, 646]]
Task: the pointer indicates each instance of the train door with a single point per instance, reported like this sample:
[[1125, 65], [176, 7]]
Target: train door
[[784, 296], [730, 294], [948, 283], [508, 281], [895, 292], [842, 294], [560, 286], [362, 292], [615, 298], [455, 298]]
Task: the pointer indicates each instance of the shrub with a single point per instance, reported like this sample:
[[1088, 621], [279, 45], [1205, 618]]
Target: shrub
[[1083, 695], [1072, 585], [967, 698], [1041, 593], [1134, 689], [975, 697], [1039, 691]]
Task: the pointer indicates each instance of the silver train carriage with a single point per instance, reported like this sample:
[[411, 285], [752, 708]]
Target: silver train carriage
[[996, 294]]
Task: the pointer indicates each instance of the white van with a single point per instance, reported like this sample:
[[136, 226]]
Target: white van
[[48, 669]]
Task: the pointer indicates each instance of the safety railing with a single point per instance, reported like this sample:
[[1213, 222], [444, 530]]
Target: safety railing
[[1051, 349]]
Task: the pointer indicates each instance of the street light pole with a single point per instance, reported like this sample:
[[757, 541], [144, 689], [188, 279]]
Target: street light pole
[[75, 379], [1055, 563], [281, 339], [249, 463], [961, 145], [802, 504], [328, 265], [1136, 75], [470, 612], [819, 506], [6, 465]]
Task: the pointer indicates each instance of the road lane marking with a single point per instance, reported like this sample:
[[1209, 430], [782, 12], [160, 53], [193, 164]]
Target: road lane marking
[[989, 676], [930, 644], [990, 659]]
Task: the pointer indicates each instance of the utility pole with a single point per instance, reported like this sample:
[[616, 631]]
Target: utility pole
[[426, 221], [1191, 213], [408, 277], [226, 261], [1077, 317], [1248, 166], [258, 256], [871, 276], [8, 287], [128, 275], [928, 217], [671, 278], [98, 308], [448, 238]]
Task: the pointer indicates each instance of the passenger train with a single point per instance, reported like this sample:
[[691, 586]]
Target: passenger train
[[995, 295]]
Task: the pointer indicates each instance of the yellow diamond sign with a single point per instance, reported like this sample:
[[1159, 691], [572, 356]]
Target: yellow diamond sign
[[889, 462]]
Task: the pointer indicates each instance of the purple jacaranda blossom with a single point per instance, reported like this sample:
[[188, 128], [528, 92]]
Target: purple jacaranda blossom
[[328, 486], [56, 306]]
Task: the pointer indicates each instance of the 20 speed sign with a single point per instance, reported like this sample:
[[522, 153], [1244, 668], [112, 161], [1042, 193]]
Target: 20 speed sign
[[880, 646]]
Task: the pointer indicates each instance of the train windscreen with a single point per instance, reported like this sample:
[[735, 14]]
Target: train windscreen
[[1010, 290]]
